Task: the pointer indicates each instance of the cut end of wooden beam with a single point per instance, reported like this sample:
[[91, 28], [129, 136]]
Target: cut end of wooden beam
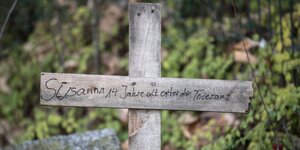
[[249, 94]]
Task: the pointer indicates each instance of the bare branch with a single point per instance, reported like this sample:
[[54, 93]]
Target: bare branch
[[7, 18]]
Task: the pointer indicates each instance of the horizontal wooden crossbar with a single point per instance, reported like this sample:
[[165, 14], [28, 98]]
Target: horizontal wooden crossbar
[[145, 93]]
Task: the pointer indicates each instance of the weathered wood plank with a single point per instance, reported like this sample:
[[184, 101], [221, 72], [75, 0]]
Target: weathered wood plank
[[144, 126], [145, 93]]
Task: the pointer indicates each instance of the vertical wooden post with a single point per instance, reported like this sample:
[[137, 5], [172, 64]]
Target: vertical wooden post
[[144, 61]]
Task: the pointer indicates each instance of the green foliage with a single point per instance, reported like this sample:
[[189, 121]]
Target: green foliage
[[41, 53], [193, 57], [195, 45]]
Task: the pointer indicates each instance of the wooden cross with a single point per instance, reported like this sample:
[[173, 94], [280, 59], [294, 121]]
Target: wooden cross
[[144, 92]]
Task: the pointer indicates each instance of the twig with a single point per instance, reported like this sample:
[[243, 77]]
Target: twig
[[285, 128], [7, 18], [248, 59], [237, 17]]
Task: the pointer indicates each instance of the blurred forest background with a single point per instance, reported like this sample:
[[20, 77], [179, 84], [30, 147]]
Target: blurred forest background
[[200, 39]]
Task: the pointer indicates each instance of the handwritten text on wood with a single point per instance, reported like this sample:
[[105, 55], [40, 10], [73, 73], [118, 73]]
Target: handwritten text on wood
[[145, 93]]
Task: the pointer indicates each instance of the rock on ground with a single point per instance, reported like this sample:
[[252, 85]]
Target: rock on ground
[[93, 140]]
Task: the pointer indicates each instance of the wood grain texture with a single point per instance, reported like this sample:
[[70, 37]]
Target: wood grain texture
[[85, 91], [144, 126]]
